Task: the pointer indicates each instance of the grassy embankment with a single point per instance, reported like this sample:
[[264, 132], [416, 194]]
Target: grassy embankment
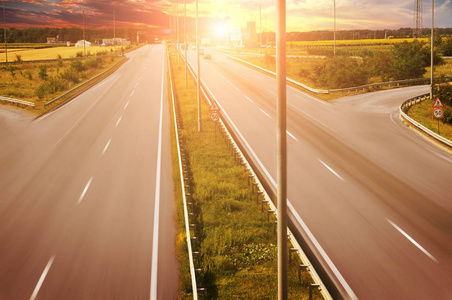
[[423, 113], [41, 82], [301, 69], [238, 253]]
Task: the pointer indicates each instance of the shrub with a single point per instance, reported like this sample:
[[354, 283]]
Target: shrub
[[53, 85], [339, 72], [29, 75], [93, 63], [18, 58], [444, 92], [78, 65], [70, 74], [446, 47], [79, 54], [59, 60], [43, 72]]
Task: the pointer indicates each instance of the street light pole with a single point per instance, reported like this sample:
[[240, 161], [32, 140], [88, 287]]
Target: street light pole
[[198, 84], [185, 40], [84, 49], [6, 44], [281, 148], [431, 55], [177, 33], [334, 27]]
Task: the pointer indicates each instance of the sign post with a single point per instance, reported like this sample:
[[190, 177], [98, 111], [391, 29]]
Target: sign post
[[214, 115], [438, 110]]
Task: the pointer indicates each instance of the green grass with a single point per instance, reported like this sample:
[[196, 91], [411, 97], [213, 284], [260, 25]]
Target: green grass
[[237, 244], [22, 80], [423, 113]]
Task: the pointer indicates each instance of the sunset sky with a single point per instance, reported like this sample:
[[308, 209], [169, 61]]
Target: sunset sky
[[302, 15]]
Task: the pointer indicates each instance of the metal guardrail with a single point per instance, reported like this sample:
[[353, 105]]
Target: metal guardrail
[[357, 88], [403, 110], [78, 89], [17, 101], [183, 178], [259, 188], [81, 87]]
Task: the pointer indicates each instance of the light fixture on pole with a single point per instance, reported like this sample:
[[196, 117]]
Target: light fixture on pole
[[281, 148]]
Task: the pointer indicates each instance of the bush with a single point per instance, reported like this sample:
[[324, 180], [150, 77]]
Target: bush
[[59, 60], [78, 65], [93, 63], [53, 85], [18, 58], [339, 72], [43, 72], [446, 47], [70, 74], [79, 54], [444, 92]]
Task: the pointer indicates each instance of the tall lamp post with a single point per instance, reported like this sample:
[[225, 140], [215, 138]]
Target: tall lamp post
[[6, 44], [334, 27], [198, 84], [431, 55], [84, 48], [185, 40], [177, 34], [281, 148], [260, 22]]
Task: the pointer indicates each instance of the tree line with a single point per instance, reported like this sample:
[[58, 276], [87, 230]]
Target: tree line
[[74, 34]]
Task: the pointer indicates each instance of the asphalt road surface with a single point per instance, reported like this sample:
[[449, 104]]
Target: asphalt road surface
[[376, 196], [86, 208]]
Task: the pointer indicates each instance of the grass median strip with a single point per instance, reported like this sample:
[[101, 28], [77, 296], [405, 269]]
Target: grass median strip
[[236, 244]]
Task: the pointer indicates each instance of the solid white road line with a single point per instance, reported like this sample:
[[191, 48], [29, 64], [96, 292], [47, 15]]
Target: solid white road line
[[41, 280], [155, 235], [106, 146], [331, 170], [292, 136], [412, 241], [265, 113], [249, 99], [133, 92], [85, 190], [117, 123], [127, 104]]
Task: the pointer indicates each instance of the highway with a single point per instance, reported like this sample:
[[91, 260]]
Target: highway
[[374, 196], [87, 199]]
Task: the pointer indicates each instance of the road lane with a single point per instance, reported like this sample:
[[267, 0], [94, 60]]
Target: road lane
[[387, 171], [79, 186]]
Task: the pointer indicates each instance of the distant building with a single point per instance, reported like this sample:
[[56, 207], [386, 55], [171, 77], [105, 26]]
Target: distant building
[[111, 42], [83, 43], [52, 40]]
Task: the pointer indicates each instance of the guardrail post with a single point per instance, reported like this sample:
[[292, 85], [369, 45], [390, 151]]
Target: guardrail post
[[269, 212], [257, 195], [302, 268], [311, 287], [249, 179], [290, 253]]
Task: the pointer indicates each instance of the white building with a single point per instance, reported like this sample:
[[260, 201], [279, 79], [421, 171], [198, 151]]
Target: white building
[[80, 43]]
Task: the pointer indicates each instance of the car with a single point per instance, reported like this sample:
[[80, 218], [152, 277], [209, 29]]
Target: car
[[207, 56]]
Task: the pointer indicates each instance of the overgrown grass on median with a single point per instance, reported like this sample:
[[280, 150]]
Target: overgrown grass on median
[[238, 253]]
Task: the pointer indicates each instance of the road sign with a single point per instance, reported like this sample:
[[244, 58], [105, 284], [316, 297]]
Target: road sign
[[214, 107], [214, 116], [438, 113], [438, 103]]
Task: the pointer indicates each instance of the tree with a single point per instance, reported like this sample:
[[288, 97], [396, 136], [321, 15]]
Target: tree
[[446, 47], [411, 59], [340, 72]]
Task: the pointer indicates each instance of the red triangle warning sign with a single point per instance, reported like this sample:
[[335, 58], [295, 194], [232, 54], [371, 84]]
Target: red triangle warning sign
[[214, 107], [438, 103]]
